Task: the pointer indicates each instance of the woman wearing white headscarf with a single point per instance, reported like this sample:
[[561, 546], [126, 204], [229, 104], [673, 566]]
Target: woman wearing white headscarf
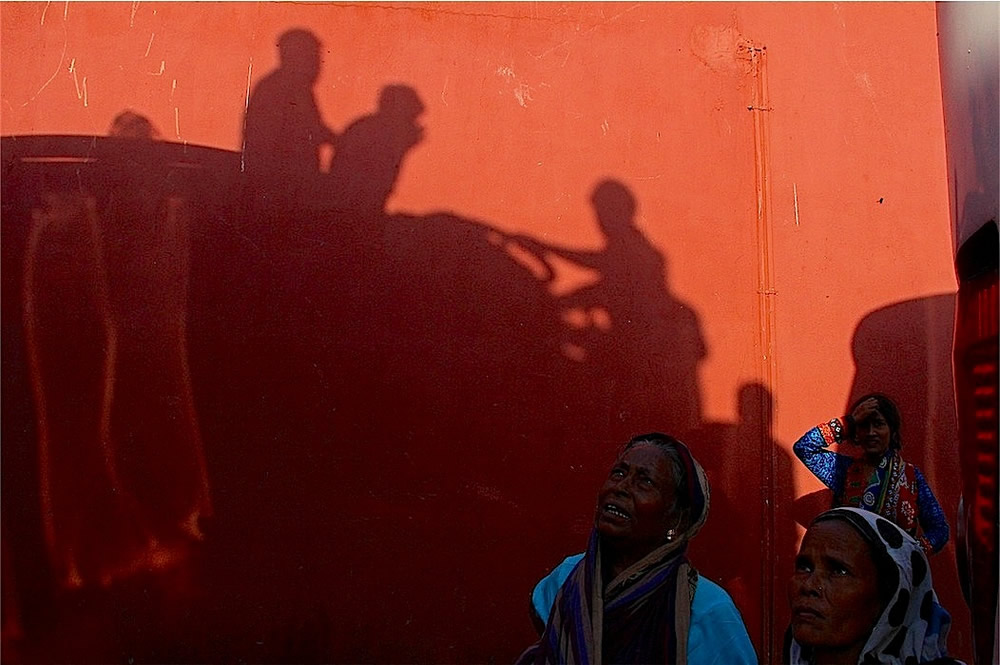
[[862, 593]]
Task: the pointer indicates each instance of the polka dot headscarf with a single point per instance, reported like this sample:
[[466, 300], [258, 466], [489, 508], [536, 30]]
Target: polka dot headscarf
[[913, 627]]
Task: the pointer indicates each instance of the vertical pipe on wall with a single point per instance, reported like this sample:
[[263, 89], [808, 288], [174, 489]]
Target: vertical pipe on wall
[[760, 108]]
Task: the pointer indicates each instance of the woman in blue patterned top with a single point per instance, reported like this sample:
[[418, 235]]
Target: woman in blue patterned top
[[877, 478]]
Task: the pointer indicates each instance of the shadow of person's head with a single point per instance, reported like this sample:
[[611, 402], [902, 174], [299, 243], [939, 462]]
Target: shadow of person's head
[[755, 403], [401, 103], [299, 51], [131, 125], [370, 152], [615, 207]]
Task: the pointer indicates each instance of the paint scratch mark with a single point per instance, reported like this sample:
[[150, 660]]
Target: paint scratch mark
[[173, 89], [66, 10], [246, 107], [135, 8], [445, 88], [523, 94], [72, 70], [583, 34], [506, 72], [795, 198], [177, 123], [649, 177], [836, 8], [150, 44], [81, 91], [862, 79], [46, 8], [605, 127], [163, 66], [62, 59]]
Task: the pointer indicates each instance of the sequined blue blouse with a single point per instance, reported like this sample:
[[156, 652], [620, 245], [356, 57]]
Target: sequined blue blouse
[[831, 469]]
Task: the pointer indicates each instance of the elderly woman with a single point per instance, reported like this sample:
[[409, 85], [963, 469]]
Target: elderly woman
[[876, 478], [632, 597], [862, 593]]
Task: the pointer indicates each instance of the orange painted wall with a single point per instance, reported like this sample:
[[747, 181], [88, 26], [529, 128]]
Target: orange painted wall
[[835, 184]]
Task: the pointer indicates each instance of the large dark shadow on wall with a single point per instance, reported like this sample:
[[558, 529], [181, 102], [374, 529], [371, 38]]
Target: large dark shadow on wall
[[410, 408], [400, 422], [403, 403]]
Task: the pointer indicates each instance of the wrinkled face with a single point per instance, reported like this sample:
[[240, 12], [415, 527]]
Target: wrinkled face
[[635, 505], [834, 591], [873, 435]]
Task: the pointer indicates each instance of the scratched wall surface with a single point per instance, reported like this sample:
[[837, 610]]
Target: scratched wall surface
[[411, 353]]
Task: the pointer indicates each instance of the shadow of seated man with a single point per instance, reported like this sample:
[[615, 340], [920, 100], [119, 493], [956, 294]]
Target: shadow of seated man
[[369, 154]]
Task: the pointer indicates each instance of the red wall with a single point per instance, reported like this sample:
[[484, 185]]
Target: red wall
[[404, 417]]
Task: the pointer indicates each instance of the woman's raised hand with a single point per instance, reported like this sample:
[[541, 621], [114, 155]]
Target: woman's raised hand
[[864, 411]]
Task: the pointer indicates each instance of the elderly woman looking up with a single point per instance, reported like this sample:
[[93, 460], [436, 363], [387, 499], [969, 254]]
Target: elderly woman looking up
[[632, 597], [876, 478], [862, 593]]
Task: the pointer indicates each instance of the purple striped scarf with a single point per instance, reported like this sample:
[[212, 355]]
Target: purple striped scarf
[[642, 616]]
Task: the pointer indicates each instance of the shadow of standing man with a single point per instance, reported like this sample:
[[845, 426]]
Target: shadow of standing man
[[283, 129]]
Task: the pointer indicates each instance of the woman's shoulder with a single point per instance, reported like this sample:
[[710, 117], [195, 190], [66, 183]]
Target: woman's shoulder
[[544, 593], [709, 596], [917, 471], [717, 634]]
